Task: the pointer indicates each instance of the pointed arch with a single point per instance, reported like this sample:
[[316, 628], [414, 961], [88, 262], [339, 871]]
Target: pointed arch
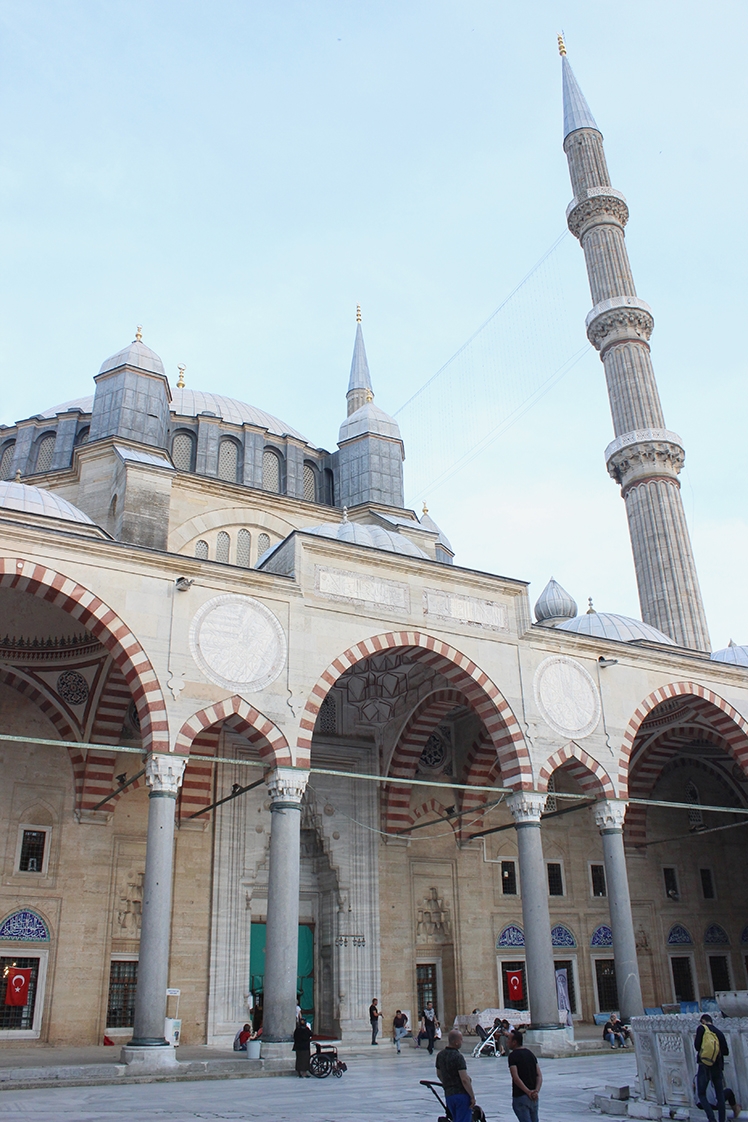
[[583, 768], [65, 593], [248, 721], [433, 806], [463, 674], [482, 768]]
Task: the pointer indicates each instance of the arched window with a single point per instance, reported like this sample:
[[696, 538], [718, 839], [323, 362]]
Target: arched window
[[82, 437], [44, 452], [183, 451], [271, 471], [327, 718], [201, 550], [228, 461], [223, 544], [695, 816], [263, 543], [329, 488], [6, 459], [551, 803], [243, 544], [310, 483]]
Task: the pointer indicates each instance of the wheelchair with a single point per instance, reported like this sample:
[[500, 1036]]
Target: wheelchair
[[325, 1062]]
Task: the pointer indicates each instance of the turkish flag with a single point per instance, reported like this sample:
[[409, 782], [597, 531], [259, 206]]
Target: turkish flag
[[17, 988], [514, 983]]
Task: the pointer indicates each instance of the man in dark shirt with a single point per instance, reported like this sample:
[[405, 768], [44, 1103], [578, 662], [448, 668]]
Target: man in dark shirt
[[428, 1024], [707, 1073], [452, 1071], [374, 1016], [526, 1079]]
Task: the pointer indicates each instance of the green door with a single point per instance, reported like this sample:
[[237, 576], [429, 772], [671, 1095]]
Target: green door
[[304, 966]]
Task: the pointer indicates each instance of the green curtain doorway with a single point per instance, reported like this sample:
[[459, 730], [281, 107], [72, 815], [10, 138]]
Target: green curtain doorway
[[304, 967]]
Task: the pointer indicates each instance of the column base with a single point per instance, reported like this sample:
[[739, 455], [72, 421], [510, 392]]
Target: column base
[[143, 1059], [277, 1055], [549, 1037]]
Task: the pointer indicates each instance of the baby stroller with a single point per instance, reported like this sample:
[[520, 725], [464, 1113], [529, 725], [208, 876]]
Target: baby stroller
[[487, 1043], [478, 1115], [325, 1060]]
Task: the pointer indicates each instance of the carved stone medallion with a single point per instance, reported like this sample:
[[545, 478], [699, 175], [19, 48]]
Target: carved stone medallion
[[238, 643], [567, 697]]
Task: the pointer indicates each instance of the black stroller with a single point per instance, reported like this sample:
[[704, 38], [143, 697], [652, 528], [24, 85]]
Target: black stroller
[[325, 1061], [478, 1115]]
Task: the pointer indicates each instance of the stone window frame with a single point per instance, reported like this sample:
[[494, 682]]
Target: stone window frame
[[273, 450], [29, 950], [719, 952], [596, 895], [560, 862], [566, 954], [44, 871], [116, 956], [238, 472], [709, 869], [683, 952], [182, 432], [9, 446], [510, 859], [605, 954], [48, 438], [667, 891]]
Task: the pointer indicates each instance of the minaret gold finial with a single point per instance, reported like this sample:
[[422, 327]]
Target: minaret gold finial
[[358, 313], [425, 509], [180, 380], [369, 396], [561, 46], [139, 333], [18, 476]]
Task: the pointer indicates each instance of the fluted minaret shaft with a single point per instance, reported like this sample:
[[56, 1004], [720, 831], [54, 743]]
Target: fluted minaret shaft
[[645, 458]]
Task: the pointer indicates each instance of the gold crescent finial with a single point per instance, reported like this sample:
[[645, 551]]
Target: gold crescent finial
[[139, 333], [561, 46], [425, 509], [180, 380], [358, 313], [369, 396]]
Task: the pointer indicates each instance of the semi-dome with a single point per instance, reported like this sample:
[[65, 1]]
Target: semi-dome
[[36, 500], [135, 354], [608, 625], [554, 603], [359, 533], [733, 654], [369, 419]]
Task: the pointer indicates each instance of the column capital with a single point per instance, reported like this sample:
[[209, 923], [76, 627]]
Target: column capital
[[286, 786], [163, 773], [527, 807], [609, 815]]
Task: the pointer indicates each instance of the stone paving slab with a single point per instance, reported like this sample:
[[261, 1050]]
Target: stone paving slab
[[378, 1087]]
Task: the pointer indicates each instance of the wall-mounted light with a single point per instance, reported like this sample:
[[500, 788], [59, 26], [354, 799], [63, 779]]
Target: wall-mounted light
[[183, 584], [604, 662]]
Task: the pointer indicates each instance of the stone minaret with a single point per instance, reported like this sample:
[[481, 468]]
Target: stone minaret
[[645, 457]]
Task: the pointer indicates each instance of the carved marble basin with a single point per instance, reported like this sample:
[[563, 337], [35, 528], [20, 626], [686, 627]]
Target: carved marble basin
[[733, 1003]]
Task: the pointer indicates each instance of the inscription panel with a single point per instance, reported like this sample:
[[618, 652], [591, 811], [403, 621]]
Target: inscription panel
[[361, 588], [465, 609]]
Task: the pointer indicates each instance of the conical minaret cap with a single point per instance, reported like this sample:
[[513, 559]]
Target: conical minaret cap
[[577, 113], [359, 383], [554, 604]]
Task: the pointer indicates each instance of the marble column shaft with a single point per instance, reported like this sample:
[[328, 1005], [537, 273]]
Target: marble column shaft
[[609, 818]]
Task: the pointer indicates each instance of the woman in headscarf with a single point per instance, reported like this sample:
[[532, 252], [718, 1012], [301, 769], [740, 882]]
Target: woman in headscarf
[[302, 1046]]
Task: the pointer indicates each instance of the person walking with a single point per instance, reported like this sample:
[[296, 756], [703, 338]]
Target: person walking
[[399, 1028], [374, 1016], [527, 1079], [711, 1049], [302, 1046], [428, 1024], [453, 1076]]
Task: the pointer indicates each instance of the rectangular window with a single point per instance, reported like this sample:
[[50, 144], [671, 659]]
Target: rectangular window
[[508, 968], [123, 980], [671, 884], [682, 978], [607, 987], [508, 878], [720, 973], [555, 879], [426, 983], [18, 1016], [32, 851], [597, 872], [707, 884], [567, 965]]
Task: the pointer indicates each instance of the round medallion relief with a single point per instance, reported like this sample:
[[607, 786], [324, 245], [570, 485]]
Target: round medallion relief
[[567, 697], [238, 643], [72, 687]]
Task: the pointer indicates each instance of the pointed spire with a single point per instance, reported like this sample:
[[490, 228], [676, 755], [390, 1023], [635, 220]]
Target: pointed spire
[[359, 384], [577, 113]]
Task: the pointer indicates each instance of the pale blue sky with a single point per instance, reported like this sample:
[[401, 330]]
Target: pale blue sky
[[236, 176]]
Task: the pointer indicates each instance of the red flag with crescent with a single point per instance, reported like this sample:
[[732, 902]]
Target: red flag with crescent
[[514, 985], [17, 986]]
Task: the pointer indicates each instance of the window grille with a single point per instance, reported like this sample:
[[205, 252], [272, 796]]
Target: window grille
[[223, 545], [720, 973], [310, 483], [228, 461], [695, 817], [263, 543], [18, 1016], [555, 879], [201, 550], [551, 803], [45, 452], [271, 476], [508, 878], [243, 545], [426, 985], [607, 987], [680, 966], [671, 883], [32, 851], [7, 459], [599, 888], [123, 980], [82, 437], [183, 451], [327, 721], [707, 885], [510, 968]]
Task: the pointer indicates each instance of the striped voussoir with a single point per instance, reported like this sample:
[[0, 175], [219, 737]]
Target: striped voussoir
[[461, 672], [482, 769], [46, 584], [581, 767], [197, 785], [435, 808], [244, 719], [111, 713]]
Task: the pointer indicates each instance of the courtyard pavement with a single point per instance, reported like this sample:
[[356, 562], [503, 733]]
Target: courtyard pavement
[[379, 1086]]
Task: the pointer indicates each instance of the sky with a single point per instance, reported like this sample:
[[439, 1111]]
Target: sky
[[237, 176]]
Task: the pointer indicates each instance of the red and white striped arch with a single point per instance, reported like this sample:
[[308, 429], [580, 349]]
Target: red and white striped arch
[[462, 673], [482, 769], [244, 719], [37, 580], [588, 772]]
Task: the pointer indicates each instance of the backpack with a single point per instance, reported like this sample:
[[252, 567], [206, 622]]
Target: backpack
[[709, 1051]]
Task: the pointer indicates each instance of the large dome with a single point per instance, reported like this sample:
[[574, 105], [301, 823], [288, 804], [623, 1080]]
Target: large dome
[[375, 537], [607, 625], [189, 403], [35, 500]]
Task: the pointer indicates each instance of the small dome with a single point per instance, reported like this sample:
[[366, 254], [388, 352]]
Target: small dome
[[369, 419], [375, 537], [135, 354], [607, 625], [428, 522], [554, 603], [36, 500], [733, 654]]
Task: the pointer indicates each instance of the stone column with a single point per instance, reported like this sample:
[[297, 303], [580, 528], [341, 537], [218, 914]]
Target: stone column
[[609, 818], [526, 807], [286, 786], [148, 1047]]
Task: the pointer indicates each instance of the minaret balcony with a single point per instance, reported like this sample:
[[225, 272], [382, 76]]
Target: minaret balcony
[[620, 319], [594, 207], [643, 455]]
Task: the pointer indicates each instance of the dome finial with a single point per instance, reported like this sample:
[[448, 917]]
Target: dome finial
[[345, 514], [18, 476], [358, 313], [590, 611], [561, 45], [139, 333], [369, 396], [425, 508], [180, 380]]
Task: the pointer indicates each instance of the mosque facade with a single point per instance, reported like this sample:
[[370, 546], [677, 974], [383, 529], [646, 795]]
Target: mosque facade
[[264, 740]]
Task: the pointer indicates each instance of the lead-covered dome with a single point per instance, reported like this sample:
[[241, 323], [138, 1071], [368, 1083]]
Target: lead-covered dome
[[554, 604], [375, 537], [733, 654], [369, 420], [36, 500], [607, 625], [137, 355]]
